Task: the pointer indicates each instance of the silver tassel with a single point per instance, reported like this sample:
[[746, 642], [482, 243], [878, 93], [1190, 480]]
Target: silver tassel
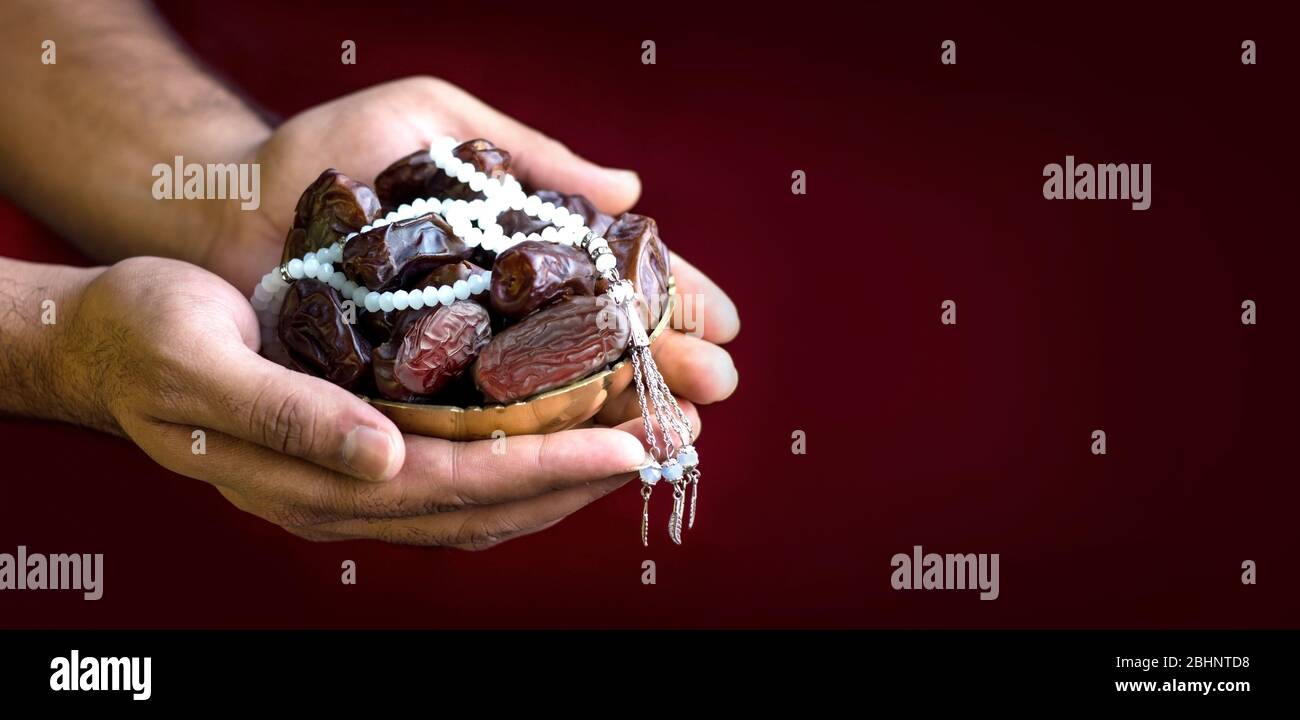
[[655, 398]]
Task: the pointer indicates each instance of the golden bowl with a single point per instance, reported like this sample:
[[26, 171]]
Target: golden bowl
[[551, 411]]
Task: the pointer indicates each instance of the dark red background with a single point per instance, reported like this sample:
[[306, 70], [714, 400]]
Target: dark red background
[[924, 184]]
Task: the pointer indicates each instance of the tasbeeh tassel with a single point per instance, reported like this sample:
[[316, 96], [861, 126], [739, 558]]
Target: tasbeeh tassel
[[675, 461]]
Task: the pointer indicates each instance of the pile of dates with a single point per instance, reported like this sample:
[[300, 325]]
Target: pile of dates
[[541, 324]]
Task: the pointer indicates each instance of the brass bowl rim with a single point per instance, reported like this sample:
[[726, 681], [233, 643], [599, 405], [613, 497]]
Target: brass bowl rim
[[662, 325]]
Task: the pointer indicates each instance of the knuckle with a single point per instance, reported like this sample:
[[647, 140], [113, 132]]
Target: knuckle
[[478, 536], [380, 500], [428, 85], [397, 499], [453, 495], [290, 516], [540, 453], [480, 542], [404, 496], [283, 421]]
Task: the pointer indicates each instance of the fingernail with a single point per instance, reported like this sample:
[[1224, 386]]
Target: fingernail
[[729, 381], [632, 448], [369, 452], [646, 462], [625, 176]]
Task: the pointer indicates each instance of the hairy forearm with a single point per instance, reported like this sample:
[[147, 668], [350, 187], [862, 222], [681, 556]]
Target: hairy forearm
[[80, 137], [37, 305]]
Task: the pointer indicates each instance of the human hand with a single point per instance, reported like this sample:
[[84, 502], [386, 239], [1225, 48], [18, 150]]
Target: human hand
[[157, 349], [361, 134]]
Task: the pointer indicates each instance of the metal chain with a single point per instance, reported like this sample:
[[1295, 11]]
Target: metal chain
[[684, 425], [662, 403], [637, 372]]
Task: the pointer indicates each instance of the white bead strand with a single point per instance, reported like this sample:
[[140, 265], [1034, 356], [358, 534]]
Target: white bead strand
[[473, 221]]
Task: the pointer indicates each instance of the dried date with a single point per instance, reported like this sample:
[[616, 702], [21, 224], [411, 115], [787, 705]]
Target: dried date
[[551, 348], [317, 336], [330, 208], [406, 180], [484, 156], [392, 256], [416, 176], [642, 258], [534, 274], [382, 359], [448, 274], [432, 349]]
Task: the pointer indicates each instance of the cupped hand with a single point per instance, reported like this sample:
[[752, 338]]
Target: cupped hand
[[361, 134], [166, 353]]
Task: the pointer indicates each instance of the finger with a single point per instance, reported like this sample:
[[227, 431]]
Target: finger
[[627, 407], [479, 528], [634, 424], [487, 472], [545, 163], [695, 369], [250, 397], [708, 312], [440, 476], [285, 490]]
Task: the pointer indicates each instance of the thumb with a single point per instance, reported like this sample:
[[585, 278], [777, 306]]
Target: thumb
[[257, 400]]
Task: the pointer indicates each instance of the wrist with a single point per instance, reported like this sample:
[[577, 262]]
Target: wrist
[[37, 373], [73, 351]]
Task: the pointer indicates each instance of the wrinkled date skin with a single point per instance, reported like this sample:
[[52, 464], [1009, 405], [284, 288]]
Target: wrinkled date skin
[[416, 176], [534, 274], [382, 359], [389, 257], [380, 328], [448, 274], [642, 258], [433, 349], [406, 180], [513, 221], [317, 336], [551, 348], [484, 156], [329, 209]]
